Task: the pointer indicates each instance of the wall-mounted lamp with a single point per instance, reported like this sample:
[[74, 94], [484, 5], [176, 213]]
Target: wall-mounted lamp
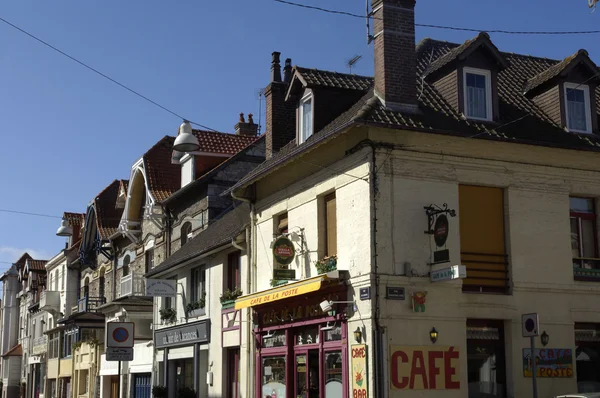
[[327, 305], [433, 335], [358, 335], [545, 338]]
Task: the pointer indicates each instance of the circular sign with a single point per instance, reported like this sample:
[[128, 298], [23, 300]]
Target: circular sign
[[529, 325], [283, 250], [440, 230], [120, 335]]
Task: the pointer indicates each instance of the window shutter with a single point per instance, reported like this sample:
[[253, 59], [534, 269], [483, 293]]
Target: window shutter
[[330, 225]]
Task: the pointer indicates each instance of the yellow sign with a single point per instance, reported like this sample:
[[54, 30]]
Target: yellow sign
[[279, 293], [359, 371], [424, 368]]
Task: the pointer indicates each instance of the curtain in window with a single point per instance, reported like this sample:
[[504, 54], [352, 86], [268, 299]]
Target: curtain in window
[[307, 119], [476, 96], [576, 109]]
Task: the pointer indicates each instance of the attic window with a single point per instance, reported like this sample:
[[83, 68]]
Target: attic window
[[306, 118], [477, 93], [577, 108]]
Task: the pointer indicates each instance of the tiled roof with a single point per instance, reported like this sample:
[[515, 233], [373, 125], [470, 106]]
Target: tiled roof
[[37, 265], [107, 215], [463, 50], [554, 70], [163, 177], [219, 232], [74, 218], [123, 185], [21, 261], [316, 77], [222, 143], [521, 120], [16, 351]]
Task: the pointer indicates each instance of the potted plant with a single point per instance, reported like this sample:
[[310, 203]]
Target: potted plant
[[76, 345], [168, 315], [186, 392], [326, 264], [159, 392], [228, 297], [196, 308]]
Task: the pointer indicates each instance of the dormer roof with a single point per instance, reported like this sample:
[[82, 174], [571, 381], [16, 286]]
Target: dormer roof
[[562, 68], [461, 52], [311, 78]]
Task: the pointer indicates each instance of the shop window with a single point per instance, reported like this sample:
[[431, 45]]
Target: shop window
[[486, 362], [273, 339], [482, 247], [273, 376], [330, 224], [308, 335], [333, 374], [234, 278], [584, 243]]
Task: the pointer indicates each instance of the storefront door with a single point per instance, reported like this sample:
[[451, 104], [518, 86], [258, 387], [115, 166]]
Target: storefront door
[[307, 380]]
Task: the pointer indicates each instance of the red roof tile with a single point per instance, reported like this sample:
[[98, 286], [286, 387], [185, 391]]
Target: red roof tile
[[222, 143], [107, 215], [74, 218], [164, 178], [16, 351], [37, 265]]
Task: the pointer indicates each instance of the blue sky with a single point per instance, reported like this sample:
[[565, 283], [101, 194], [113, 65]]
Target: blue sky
[[67, 133]]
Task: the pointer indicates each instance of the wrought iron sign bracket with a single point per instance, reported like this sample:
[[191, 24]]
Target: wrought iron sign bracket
[[432, 211]]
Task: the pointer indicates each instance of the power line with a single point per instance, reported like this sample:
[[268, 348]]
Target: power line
[[28, 213], [101, 74], [503, 31]]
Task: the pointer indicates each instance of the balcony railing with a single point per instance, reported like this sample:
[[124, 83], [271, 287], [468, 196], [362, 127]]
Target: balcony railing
[[50, 301], [40, 345], [586, 269], [90, 304], [132, 285], [486, 272]]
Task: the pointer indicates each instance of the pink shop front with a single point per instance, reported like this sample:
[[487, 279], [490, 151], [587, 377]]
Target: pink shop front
[[302, 352]]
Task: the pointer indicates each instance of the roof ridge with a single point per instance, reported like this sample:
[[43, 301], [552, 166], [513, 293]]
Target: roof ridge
[[299, 68]]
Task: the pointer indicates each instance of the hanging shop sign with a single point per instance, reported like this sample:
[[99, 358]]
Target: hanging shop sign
[[161, 288], [424, 368], [550, 362], [284, 274], [438, 226], [191, 333], [359, 371], [283, 250]]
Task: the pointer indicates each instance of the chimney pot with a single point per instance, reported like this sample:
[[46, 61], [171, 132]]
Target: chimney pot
[[242, 118], [248, 129], [250, 121], [287, 70], [395, 57], [275, 67]]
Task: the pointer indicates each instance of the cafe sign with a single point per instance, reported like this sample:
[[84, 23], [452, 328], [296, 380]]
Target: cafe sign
[[188, 334], [550, 362], [283, 250], [424, 368], [359, 371]]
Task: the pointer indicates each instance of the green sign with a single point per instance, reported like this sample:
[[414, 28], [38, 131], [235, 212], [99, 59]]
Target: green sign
[[284, 274], [283, 250]]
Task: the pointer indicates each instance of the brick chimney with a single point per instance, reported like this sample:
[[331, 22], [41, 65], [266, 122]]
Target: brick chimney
[[280, 120], [249, 129], [395, 57]]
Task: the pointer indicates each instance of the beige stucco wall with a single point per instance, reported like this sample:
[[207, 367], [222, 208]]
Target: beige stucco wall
[[537, 183]]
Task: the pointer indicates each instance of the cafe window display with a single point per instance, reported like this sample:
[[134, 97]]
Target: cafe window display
[[302, 352]]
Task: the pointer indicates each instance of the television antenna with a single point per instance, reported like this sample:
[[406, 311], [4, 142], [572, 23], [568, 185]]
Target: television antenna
[[352, 61], [592, 4], [259, 92]]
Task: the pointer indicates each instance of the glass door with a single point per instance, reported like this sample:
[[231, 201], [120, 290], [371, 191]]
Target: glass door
[[334, 379], [273, 377], [307, 374]]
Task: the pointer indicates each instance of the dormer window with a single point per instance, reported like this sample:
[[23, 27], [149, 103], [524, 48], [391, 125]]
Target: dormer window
[[306, 118], [477, 93], [577, 108]]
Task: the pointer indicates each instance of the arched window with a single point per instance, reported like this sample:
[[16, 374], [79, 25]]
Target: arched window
[[186, 232], [126, 262], [86, 288], [101, 284]]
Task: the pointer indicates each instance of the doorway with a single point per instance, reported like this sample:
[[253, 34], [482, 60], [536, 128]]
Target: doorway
[[486, 361], [307, 374]]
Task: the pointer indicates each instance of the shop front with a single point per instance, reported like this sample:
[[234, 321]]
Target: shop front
[[302, 352], [183, 357]]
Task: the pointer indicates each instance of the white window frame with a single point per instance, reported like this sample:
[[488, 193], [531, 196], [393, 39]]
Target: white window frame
[[308, 96], [488, 92], [586, 101]]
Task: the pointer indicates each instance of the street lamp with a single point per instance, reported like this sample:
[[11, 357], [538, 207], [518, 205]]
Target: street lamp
[[64, 229], [433, 335], [186, 141], [545, 338]]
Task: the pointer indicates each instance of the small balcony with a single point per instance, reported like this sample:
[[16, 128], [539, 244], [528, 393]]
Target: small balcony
[[50, 301], [132, 285], [90, 304], [39, 345], [586, 269]]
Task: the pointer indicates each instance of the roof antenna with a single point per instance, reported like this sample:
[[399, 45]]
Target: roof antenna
[[352, 61], [592, 4], [368, 16], [259, 94]]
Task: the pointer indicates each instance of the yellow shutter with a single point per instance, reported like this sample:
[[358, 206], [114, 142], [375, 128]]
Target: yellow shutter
[[482, 242], [330, 225]]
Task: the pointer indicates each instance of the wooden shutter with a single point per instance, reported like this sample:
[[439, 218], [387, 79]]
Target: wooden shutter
[[330, 225], [482, 243]]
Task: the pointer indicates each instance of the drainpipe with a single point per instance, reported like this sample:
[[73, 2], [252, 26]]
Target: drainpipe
[[251, 283]]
